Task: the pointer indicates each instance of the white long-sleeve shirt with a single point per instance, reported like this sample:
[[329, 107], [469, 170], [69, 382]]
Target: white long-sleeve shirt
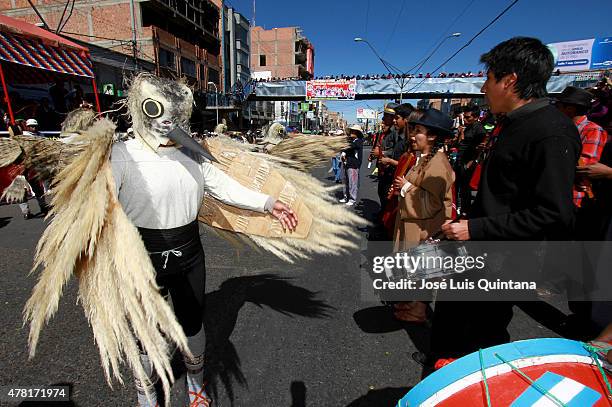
[[164, 190]]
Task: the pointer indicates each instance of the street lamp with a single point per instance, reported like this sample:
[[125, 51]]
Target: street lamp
[[216, 100], [421, 64], [385, 63]]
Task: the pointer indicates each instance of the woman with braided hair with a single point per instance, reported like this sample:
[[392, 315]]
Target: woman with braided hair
[[425, 197]]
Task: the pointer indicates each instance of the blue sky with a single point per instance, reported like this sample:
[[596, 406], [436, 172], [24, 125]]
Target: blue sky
[[331, 26]]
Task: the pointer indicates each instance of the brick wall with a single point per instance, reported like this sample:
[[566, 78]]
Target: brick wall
[[278, 45]]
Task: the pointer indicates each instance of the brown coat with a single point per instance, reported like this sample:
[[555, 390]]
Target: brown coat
[[427, 205]]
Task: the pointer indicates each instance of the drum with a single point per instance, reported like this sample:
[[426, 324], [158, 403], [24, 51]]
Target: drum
[[534, 372]]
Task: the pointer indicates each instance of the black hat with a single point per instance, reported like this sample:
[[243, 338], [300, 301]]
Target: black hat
[[390, 108], [576, 96], [436, 120]]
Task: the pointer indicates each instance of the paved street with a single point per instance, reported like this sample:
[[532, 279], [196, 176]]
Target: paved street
[[277, 334]]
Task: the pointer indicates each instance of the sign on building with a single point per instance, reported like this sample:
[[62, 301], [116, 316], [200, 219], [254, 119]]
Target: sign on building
[[340, 89], [366, 113], [108, 89], [265, 75], [582, 55]]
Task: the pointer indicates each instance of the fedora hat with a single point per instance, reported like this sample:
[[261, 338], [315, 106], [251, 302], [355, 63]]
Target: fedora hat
[[434, 119], [356, 127], [390, 108], [576, 96]]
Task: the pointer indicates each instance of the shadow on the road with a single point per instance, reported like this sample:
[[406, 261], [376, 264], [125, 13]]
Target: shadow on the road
[[5, 221], [222, 308], [298, 394], [379, 320], [572, 326], [386, 397], [545, 314], [368, 209]]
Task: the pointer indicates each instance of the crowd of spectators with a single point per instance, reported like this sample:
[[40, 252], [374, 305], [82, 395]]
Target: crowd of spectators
[[48, 111], [427, 75]]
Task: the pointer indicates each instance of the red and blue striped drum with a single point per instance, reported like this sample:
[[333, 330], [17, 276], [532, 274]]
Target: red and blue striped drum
[[536, 372]]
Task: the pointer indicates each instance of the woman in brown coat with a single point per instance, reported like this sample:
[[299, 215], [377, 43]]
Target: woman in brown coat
[[425, 200]]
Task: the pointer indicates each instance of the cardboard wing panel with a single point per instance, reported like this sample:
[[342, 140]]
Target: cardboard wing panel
[[254, 173]]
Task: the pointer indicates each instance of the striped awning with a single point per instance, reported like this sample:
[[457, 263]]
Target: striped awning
[[36, 54]]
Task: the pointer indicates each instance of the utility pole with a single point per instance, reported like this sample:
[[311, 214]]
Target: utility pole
[[253, 13], [134, 43]]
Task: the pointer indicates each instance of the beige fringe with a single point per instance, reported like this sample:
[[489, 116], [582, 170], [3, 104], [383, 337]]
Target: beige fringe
[[10, 150], [16, 191], [309, 151], [334, 229], [90, 236]]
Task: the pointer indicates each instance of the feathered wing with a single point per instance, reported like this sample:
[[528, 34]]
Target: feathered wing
[[323, 226], [16, 191], [91, 237], [309, 151], [46, 157]]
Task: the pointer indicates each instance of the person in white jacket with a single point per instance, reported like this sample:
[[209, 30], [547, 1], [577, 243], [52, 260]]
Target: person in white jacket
[[161, 177]]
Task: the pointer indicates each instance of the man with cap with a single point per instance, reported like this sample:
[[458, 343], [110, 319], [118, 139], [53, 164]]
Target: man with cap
[[383, 146], [32, 128], [352, 158], [525, 190], [575, 103]]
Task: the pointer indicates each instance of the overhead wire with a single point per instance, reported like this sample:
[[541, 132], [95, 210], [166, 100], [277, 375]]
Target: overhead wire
[[397, 19], [367, 18], [445, 32], [59, 24], [467, 43], [69, 15]]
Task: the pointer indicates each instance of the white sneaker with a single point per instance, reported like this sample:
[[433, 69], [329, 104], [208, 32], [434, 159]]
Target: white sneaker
[[343, 200], [350, 203]]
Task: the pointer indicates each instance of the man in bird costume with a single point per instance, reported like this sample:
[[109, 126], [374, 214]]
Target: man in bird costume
[[124, 220]]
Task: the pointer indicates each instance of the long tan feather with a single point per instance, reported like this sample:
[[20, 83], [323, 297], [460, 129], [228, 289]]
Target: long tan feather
[[16, 191], [334, 229], [310, 151], [90, 236]]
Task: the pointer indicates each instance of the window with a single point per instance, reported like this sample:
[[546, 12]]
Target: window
[[188, 67], [262, 60], [213, 76], [166, 59]]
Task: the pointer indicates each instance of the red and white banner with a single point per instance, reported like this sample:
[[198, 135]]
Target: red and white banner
[[333, 89]]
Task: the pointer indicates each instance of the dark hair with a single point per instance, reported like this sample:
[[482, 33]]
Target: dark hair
[[528, 58], [404, 110], [472, 109]]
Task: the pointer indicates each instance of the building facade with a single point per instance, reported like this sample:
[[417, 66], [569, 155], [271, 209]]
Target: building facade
[[283, 53], [236, 65], [180, 37]]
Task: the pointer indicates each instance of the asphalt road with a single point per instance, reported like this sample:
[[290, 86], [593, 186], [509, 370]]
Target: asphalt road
[[277, 334]]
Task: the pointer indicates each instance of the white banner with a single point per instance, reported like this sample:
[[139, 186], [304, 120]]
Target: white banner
[[261, 75], [366, 113], [572, 55]]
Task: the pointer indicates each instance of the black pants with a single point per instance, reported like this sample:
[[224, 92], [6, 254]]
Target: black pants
[[178, 257], [463, 327], [384, 184]]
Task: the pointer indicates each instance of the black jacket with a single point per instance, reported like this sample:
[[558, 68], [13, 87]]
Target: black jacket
[[472, 136], [354, 154], [525, 190]]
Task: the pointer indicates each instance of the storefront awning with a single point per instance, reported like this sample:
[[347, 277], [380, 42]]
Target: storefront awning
[[36, 54], [28, 45]]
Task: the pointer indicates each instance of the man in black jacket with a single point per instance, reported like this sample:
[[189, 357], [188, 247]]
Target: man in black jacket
[[525, 190], [351, 161], [470, 138]]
